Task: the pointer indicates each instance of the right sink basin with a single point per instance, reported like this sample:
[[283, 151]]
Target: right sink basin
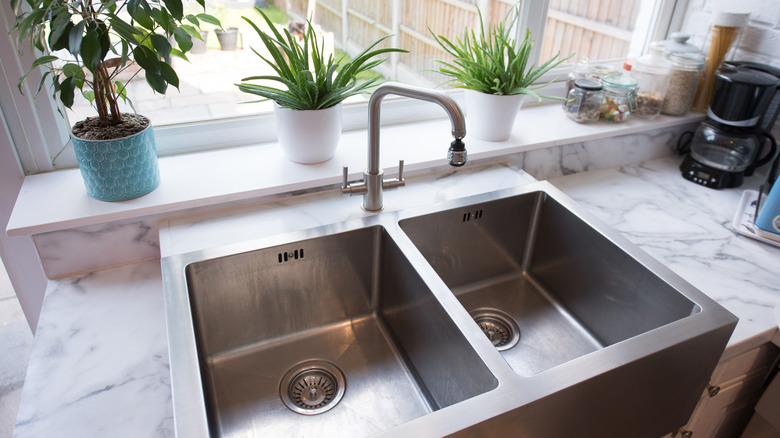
[[543, 284]]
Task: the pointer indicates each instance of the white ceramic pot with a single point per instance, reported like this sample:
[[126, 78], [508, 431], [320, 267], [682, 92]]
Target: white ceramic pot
[[489, 116], [308, 137]]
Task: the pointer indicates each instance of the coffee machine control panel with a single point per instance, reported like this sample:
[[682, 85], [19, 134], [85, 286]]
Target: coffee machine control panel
[[701, 177], [707, 176]]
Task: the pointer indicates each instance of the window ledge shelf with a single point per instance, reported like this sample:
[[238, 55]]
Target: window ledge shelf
[[58, 200]]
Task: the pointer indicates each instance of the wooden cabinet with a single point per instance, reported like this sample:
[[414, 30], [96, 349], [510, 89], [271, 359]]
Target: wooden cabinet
[[727, 404]]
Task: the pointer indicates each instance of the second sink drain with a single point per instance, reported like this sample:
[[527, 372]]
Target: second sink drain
[[499, 327], [312, 387]]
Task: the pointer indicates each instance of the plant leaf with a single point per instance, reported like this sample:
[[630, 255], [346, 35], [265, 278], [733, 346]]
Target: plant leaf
[[124, 29], [191, 31], [183, 39], [90, 50], [169, 75], [66, 91], [143, 18], [89, 95], [43, 79], [156, 81], [147, 60], [175, 8], [60, 28], [72, 69], [193, 19], [75, 36], [121, 90], [161, 46], [210, 19]]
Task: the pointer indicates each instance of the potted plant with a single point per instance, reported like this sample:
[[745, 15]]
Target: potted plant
[[228, 38], [308, 89], [493, 69], [85, 46]]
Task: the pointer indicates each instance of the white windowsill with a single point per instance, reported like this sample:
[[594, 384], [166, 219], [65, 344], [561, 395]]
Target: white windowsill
[[57, 200]]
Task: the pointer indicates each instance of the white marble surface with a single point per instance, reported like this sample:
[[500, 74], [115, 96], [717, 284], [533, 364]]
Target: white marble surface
[[99, 362], [76, 250], [689, 228], [229, 175]]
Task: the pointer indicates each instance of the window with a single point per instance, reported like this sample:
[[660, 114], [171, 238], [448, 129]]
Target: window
[[209, 112]]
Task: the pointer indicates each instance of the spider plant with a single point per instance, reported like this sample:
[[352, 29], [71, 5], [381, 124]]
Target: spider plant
[[493, 62], [308, 81]]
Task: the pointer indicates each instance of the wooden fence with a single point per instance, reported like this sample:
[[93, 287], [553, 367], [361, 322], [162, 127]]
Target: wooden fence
[[598, 29]]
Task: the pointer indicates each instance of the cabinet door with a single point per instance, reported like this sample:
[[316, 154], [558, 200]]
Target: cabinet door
[[740, 382]]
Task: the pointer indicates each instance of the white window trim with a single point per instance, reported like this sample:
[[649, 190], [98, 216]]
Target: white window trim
[[40, 132]]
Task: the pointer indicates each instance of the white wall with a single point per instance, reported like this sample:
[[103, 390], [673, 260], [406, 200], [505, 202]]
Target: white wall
[[19, 254]]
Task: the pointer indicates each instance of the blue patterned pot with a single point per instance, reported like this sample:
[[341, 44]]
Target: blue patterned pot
[[121, 169]]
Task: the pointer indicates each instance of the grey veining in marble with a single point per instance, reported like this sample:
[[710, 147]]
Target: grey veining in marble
[[99, 363], [87, 248], [689, 228], [601, 154]]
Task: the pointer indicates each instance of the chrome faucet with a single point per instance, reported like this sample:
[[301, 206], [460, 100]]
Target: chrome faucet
[[373, 183]]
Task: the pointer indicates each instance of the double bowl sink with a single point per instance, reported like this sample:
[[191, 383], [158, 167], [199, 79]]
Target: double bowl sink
[[513, 313]]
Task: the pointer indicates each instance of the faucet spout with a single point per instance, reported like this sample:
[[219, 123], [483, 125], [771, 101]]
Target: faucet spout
[[372, 199], [449, 105]]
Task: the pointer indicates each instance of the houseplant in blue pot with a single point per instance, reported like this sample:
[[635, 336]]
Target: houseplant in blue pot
[[85, 46]]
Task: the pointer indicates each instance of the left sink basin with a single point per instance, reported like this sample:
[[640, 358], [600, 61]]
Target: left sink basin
[[305, 336]]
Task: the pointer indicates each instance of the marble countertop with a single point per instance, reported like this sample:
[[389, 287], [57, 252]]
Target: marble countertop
[[99, 364], [689, 228]]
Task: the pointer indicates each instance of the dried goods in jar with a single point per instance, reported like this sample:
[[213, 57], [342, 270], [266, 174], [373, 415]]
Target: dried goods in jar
[[648, 103]]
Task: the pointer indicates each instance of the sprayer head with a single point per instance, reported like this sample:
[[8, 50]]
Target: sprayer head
[[457, 155]]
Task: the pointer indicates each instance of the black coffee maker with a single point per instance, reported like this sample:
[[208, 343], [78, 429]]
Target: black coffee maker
[[732, 143]]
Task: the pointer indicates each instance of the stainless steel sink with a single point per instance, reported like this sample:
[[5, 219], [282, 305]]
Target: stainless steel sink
[[559, 287], [330, 336], [513, 313]]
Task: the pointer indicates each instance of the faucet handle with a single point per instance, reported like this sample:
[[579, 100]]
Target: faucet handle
[[354, 188], [396, 182]]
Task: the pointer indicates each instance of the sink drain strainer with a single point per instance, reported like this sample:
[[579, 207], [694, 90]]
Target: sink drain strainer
[[499, 327], [312, 387]]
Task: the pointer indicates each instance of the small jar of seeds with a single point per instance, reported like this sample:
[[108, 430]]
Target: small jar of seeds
[[584, 101], [687, 69]]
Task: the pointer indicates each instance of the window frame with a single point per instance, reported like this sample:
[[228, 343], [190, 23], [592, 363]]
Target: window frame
[[40, 133]]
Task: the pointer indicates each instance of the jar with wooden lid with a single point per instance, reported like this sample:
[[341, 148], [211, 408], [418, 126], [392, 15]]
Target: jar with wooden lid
[[686, 72]]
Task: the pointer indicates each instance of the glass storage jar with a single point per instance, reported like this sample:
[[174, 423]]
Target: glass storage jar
[[619, 98], [584, 101], [686, 72], [600, 71], [678, 43], [652, 72], [580, 70]]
